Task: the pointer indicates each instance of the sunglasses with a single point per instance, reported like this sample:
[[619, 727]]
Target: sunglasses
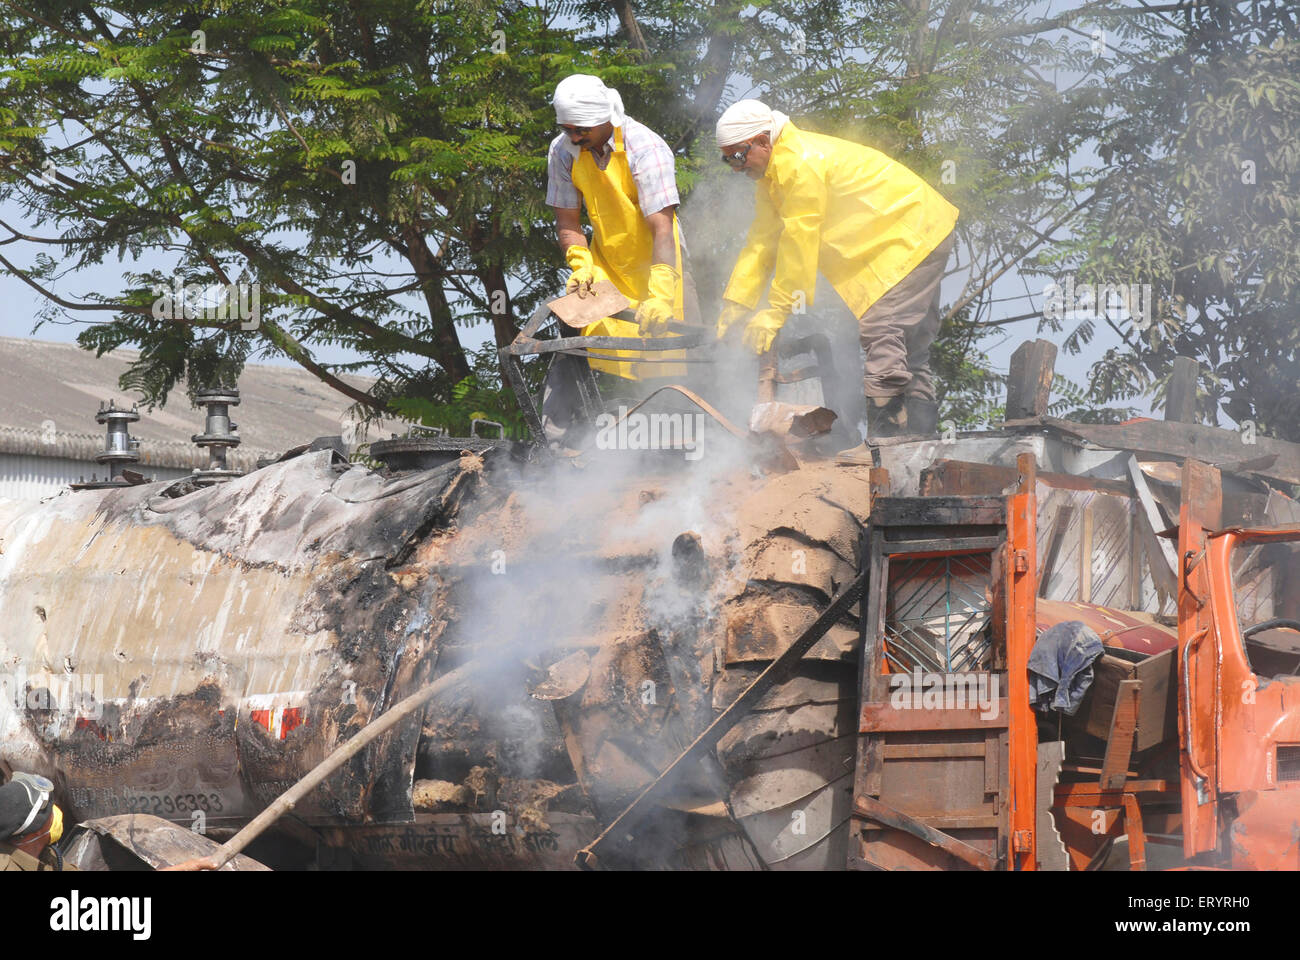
[[738, 158], [577, 131]]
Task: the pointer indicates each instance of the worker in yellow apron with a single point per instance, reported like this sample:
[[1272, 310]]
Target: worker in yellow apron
[[878, 232], [624, 174]]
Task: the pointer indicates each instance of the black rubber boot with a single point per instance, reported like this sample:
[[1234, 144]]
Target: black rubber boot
[[922, 417], [886, 417]]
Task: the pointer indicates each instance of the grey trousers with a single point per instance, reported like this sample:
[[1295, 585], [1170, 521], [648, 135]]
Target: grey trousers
[[898, 329]]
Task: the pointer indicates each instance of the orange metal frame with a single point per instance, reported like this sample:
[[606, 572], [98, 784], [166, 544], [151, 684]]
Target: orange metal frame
[[1201, 510], [1020, 566], [1230, 722]]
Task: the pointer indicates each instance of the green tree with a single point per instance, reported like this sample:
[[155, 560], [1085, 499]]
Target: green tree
[[1204, 205], [375, 168]]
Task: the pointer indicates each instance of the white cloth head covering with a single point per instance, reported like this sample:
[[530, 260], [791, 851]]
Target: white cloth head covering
[[584, 101], [748, 118]]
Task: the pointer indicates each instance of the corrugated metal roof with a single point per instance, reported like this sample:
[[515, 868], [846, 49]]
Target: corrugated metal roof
[[50, 392], [25, 477]]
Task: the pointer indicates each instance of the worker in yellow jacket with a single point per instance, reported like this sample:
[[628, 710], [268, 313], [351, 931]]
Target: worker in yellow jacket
[[625, 175], [878, 232]]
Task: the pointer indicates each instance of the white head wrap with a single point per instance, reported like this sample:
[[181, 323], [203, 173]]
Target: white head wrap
[[584, 101], [748, 118]]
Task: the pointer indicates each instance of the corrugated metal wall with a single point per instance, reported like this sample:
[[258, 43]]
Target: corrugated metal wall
[[28, 477]]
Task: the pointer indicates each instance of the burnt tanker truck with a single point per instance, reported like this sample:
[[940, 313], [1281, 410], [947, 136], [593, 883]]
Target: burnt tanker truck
[[190, 651]]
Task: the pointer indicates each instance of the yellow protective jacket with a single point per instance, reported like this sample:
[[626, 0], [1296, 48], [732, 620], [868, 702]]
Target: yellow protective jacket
[[863, 219]]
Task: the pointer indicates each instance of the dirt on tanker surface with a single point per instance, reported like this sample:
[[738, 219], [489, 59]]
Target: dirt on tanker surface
[[618, 611]]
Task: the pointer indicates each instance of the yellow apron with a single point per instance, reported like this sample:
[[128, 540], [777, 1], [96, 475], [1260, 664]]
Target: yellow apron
[[622, 247]]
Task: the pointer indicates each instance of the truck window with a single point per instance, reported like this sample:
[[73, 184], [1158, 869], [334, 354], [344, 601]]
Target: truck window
[[1266, 590]]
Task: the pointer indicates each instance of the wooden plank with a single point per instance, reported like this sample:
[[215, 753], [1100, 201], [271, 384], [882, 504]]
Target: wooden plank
[[983, 821], [1163, 559], [881, 717], [1060, 524], [870, 760], [1137, 837], [1049, 847], [992, 763], [1119, 743], [873, 809], [1180, 397], [1085, 556], [915, 751], [939, 511], [1085, 794], [1202, 490], [1182, 440], [1134, 559], [1158, 710], [969, 478], [955, 545], [1029, 379]]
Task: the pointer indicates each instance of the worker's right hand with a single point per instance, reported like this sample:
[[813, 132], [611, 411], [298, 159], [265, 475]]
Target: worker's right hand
[[763, 328], [656, 310], [732, 313], [584, 270]]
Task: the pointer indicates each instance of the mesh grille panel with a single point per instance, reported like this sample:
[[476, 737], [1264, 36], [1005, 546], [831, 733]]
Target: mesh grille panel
[[938, 614]]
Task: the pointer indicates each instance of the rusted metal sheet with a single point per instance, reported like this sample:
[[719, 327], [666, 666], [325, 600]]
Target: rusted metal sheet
[[793, 836], [221, 642], [136, 841], [1264, 834], [467, 841], [1276, 459], [761, 632], [1117, 628]]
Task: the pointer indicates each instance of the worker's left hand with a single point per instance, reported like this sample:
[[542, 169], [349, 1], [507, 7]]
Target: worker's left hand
[[656, 310], [763, 328]]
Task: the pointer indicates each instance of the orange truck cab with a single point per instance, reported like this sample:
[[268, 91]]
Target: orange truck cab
[[1239, 692]]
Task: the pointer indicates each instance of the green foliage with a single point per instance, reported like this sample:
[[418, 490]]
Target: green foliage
[[376, 168], [969, 392], [379, 168], [1201, 203], [480, 396]]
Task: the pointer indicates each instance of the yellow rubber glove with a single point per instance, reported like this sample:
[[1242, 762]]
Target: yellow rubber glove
[[584, 270], [656, 310], [732, 313], [762, 329]]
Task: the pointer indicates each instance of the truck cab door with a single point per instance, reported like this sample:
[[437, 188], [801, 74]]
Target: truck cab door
[[1201, 510]]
